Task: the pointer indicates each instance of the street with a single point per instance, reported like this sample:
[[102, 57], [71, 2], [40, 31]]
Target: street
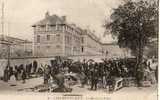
[[134, 93]]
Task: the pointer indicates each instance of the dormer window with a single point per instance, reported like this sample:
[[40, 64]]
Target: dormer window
[[42, 28]]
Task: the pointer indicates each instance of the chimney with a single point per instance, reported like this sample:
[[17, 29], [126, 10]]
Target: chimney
[[64, 18], [47, 14]]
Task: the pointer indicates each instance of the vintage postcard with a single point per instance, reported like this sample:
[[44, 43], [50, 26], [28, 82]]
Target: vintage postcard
[[79, 49]]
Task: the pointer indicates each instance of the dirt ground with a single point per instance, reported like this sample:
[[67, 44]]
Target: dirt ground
[[19, 91]]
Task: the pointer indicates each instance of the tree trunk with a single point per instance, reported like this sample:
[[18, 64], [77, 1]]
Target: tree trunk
[[140, 49], [139, 71]]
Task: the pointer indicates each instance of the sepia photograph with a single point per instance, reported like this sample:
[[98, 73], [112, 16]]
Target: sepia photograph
[[79, 49]]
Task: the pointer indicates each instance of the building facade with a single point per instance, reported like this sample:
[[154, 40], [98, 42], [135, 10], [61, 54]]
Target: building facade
[[91, 44], [112, 50], [54, 36], [15, 47]]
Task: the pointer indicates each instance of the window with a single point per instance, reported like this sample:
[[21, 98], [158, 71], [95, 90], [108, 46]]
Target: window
[[42, 28], [59, 27], [48, 47], [106, 52], [38, 28], [38, 38], [82, 40], [48, 37], [58, 46], [58, 37], [82, 49], [71, 29]]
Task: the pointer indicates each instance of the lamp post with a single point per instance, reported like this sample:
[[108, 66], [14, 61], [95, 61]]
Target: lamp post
[[6, 70], [8, 44]]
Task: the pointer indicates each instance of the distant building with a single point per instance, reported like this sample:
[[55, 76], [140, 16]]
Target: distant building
[[151, 50], [112, 50], [15, 46], [54, 36]]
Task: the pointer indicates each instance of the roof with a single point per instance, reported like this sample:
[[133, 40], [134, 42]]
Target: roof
[[51, 20], [10, 39], [54, 19], [91, 35]]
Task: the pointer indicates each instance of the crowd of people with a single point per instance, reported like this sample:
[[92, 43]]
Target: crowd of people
[[99, 74], [91, 73], [20, 72]]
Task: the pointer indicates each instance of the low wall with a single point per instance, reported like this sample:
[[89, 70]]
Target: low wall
[[42, 61]]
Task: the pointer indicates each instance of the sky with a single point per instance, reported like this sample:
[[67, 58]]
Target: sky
[[20, 15]]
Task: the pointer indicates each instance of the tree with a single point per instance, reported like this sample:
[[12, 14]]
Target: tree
[[134, 24], [152, 49]]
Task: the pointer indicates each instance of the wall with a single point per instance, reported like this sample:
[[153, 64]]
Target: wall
[[50, 47], [65, 41], [91, 46], [113, 51], [16, 50]]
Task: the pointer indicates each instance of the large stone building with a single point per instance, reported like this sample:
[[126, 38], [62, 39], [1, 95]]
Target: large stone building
[[54, 36]]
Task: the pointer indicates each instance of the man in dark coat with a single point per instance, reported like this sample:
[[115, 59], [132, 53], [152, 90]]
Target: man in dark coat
[[16, 72], [156, 73], [27, 70], [6, 75], [94, 77], [47, 72], [24, 75], [35, 65]]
